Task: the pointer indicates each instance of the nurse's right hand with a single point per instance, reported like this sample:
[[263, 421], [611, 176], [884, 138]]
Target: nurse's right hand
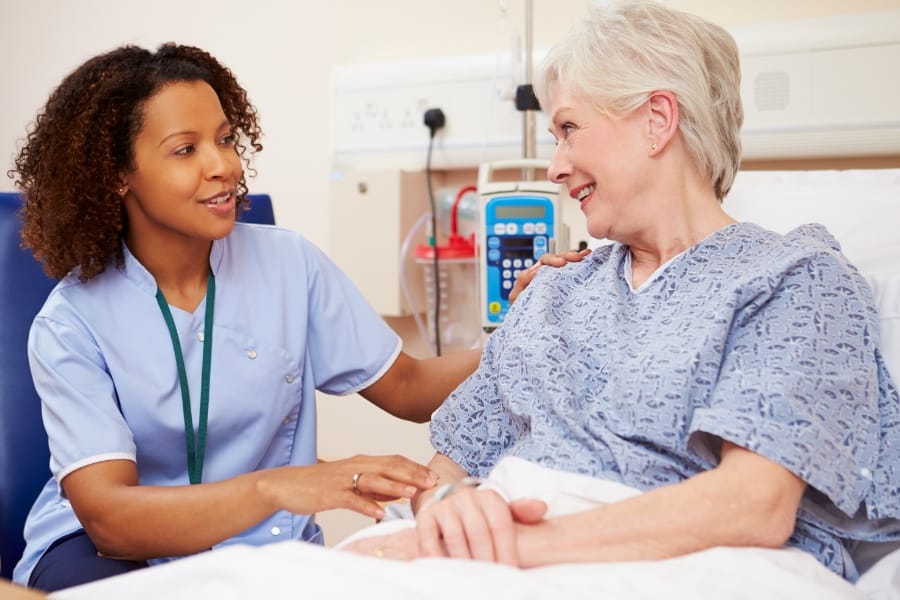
[[524, 278], [358, 483]]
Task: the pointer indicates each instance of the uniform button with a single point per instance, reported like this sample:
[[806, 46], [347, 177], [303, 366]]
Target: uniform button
[[251, 355], [866, 473], [276, 530], [200, 336], [286, 420], [289, 378]]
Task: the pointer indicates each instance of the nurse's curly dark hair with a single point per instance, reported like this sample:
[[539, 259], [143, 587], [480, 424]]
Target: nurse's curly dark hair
[[70, 165]]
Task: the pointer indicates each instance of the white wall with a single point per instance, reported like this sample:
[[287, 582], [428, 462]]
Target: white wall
[[282, 52]]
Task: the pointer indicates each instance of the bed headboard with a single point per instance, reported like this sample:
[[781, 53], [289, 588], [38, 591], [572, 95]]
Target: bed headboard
[[860, 207]]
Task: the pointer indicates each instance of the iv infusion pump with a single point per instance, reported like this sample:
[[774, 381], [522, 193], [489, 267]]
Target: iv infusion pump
[[519, 220]]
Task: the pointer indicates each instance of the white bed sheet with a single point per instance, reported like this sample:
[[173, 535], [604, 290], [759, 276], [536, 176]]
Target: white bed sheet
[[293, 569], [882, 581], [297, 570]]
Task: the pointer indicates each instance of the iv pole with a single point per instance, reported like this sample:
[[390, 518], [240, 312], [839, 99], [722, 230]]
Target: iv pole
[[528, 119], [525, 99]]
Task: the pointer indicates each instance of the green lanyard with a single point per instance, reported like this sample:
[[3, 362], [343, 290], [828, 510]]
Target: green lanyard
[[196, 451]]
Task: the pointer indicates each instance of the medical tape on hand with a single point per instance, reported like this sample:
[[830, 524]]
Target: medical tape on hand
[[448, 489]]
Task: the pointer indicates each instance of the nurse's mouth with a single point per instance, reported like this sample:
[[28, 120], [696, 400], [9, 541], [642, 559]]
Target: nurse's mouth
[[219, 199]]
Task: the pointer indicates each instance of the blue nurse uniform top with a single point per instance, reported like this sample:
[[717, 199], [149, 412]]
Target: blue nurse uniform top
[[287, 322]]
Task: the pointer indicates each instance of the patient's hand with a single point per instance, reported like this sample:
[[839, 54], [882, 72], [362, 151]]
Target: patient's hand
[[475, 524], [471, 524], [554, 260]]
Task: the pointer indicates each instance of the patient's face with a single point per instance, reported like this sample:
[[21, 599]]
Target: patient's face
[[602, 162]]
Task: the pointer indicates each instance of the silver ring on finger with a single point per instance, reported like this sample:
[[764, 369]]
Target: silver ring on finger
[[355, 486]]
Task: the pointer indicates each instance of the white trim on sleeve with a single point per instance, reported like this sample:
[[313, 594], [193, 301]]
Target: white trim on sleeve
[[380, 373], [89, 461]]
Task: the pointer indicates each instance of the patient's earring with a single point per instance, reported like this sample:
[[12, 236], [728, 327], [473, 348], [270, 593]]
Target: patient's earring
[[654, 147]]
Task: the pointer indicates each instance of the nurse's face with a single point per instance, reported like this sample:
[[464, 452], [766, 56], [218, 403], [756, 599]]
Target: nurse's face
[[186, 169], [601, 160]]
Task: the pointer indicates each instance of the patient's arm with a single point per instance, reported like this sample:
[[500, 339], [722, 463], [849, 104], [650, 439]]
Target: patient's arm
[[746, 501]]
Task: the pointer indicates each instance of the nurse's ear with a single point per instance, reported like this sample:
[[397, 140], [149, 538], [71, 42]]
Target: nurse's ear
[[662, 115], [123, 186]]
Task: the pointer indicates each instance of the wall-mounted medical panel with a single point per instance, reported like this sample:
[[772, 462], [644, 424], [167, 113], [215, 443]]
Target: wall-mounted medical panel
[[811, 88]]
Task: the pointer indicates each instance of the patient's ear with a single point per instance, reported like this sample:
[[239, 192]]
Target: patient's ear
[[662, 112]]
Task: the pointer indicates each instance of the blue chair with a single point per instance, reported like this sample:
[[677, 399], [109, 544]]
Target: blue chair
[[24, 455], [259, 211]]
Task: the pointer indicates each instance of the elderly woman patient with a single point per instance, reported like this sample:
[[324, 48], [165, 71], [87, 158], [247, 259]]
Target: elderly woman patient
[[729, 373]]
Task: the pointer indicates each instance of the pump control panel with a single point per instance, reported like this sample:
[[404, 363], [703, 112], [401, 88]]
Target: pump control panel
[[519, 222]]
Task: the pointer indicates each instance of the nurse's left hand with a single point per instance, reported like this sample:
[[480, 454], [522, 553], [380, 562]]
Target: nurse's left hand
[[357, 483]]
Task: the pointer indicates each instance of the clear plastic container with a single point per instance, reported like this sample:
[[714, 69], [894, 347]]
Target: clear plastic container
[[458, 292]]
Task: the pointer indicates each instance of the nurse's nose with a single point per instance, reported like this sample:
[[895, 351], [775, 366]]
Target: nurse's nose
[[216, 162]]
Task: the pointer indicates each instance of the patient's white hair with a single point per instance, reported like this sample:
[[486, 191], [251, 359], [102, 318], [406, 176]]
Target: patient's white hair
[[619, 53]]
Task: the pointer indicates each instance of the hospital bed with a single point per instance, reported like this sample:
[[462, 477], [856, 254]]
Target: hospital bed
[[862, 209]]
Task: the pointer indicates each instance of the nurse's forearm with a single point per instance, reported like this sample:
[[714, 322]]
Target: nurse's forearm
[[412, 389], [443, 375], [126, 520]]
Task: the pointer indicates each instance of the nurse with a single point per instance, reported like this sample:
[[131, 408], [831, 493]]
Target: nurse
[[177, 359]]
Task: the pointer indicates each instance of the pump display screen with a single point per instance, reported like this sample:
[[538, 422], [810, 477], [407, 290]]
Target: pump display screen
[[518, 211]]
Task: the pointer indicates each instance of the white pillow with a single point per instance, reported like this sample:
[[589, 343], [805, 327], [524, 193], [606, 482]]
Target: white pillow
[[886, 288]]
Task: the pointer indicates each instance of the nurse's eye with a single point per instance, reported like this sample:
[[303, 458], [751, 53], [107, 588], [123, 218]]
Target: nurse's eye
[[229, 139], [184, 150]]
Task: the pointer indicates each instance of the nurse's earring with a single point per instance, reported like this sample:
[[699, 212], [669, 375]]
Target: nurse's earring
[[121, 191]]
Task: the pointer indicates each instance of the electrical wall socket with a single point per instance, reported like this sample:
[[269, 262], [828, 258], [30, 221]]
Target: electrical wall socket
[[378, 109]]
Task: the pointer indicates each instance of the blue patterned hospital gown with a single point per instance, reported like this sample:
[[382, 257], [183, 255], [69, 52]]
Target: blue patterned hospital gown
[[765, 340]]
